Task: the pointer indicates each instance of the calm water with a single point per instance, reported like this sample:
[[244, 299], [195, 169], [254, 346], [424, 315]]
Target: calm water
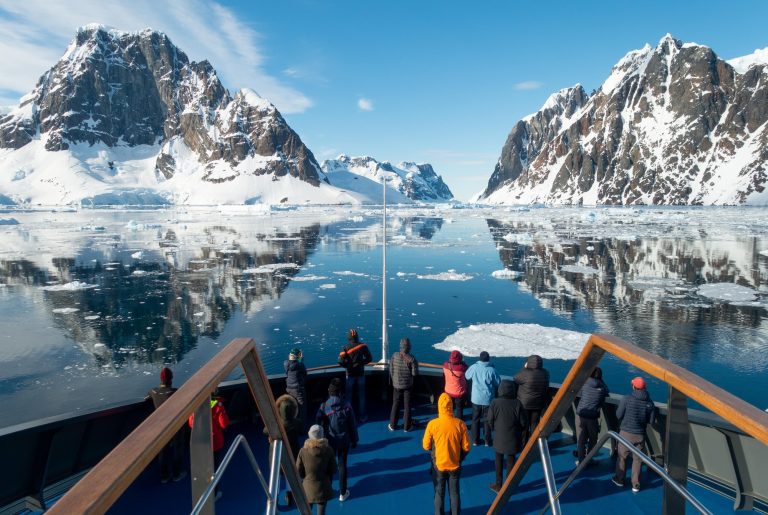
[[94, 303]]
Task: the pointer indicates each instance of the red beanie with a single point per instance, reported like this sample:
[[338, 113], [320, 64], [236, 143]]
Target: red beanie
[[639, 383], [166, 376]]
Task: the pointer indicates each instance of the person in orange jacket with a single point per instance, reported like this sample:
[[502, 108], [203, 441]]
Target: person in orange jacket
[[446, 437]]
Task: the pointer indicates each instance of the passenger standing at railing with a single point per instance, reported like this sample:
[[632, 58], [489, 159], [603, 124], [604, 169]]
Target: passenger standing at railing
[[353, 357], [295, 381], [454, 371], [403, 367], [485, 381], [171, 457], [338, 418], [316, 465], [509, 421], [533, 391], [447, 440], [219, 422], [591, 400], [635, 412], [287, 410]]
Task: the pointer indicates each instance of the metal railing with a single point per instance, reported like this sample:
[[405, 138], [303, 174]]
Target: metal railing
[[683, 385], [239, 441], [103, 485], [554, 499]]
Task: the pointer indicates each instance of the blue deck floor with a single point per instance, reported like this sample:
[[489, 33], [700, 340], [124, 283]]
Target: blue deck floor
[[388, 473]]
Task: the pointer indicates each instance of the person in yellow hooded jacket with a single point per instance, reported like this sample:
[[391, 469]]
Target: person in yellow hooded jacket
[[446, 437]]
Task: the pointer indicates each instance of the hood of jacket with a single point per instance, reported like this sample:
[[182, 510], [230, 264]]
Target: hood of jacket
[[534, 361], [444, 406], [287, 407], [508, 389], [456, 357], [641, 395], [315, 444]]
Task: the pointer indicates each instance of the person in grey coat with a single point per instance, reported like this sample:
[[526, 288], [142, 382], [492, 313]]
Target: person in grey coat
[[635, 412], [403, 367]]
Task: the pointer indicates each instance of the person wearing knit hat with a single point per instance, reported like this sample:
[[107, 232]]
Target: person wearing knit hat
[[455, 381], [338, 419], [485, 381], [353, 358], [636, 410], [316, 464], [295, 381], [171, 457]]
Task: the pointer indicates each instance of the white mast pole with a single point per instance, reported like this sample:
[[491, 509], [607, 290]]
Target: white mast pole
[[384, 339]]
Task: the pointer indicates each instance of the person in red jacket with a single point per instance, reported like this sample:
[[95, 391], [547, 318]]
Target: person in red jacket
[[454, 371], [219, 422]]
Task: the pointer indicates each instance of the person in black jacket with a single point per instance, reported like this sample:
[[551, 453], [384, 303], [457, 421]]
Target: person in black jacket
[[338, 419], [508, 420], [591, 400], [532, 391], [288, 409], [635, 412], [353, 357], [171, 457], [295, 381]]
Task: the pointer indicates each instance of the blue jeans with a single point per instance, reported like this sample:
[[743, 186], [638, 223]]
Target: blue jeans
[[350, 387]]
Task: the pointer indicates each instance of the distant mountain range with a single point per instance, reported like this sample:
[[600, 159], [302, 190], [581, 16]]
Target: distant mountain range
[[674, 124], [127, 118]]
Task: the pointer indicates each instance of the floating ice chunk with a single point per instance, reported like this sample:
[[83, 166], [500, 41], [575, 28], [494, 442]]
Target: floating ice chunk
[[519, 237], [99, 346], [137, 226], [271, 268], [198, 314], [139, 272], [450, 275], [579, 269], [509, 340], [73, 286], [402, 274], [727, 292], [137, 255], [66, 311], [506, 274], [348, 272], [309, 277], [328, 286], [590, 248], [92, 317]]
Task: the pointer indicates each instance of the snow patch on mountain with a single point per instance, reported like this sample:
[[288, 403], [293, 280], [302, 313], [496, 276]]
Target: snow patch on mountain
[[757, 58]]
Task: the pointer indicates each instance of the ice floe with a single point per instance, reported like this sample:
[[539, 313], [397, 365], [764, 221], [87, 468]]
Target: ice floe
[[73, 286], [450, 275], [510, 340], [271, 268], [505, 274], [328, 286], [727, 291], [349, 272], [579, 269], [309, 277], [66, 311], [137, 255]]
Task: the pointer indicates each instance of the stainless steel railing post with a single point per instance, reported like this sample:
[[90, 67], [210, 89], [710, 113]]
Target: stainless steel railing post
[[549, 476], [275, 451]]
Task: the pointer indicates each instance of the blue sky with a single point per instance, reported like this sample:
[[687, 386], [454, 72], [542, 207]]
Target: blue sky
[[442, 82]]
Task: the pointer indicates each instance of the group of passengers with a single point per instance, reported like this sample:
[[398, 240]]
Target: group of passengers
[[505, 414]]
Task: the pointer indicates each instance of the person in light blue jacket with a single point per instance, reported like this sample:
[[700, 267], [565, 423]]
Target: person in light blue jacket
[[485, 381]]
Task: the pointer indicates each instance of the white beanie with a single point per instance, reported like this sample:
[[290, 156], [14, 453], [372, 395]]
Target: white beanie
[[315, 432]]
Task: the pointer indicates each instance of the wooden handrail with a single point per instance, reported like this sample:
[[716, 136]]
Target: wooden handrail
[[741, 414], [105, 482]]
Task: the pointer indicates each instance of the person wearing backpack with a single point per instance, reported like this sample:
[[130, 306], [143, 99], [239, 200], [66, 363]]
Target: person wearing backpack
[[454, 371], [338, 419], [403, 367], [353, 358]]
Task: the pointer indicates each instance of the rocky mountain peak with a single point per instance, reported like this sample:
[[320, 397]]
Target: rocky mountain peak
[[672, 124]]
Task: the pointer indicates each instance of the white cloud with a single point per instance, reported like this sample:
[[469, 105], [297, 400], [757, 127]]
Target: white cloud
[[365, 104], [527, 85], [35, 33]]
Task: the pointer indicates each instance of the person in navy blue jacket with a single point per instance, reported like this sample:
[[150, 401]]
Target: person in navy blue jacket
[[485, 381], [591, 400], [295, 381], [635, 412], [338, 419]]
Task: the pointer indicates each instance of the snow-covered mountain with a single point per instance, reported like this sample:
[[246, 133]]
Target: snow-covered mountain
[[407, 181], [674, 124], [126, 118]]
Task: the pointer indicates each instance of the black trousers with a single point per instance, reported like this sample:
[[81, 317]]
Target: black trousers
[[439, 479], [458, 407], [320, 507], [341, 459], [533, 420], [500, 466], [171, 458], [480, 414], [393, 416], [589, 428]]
